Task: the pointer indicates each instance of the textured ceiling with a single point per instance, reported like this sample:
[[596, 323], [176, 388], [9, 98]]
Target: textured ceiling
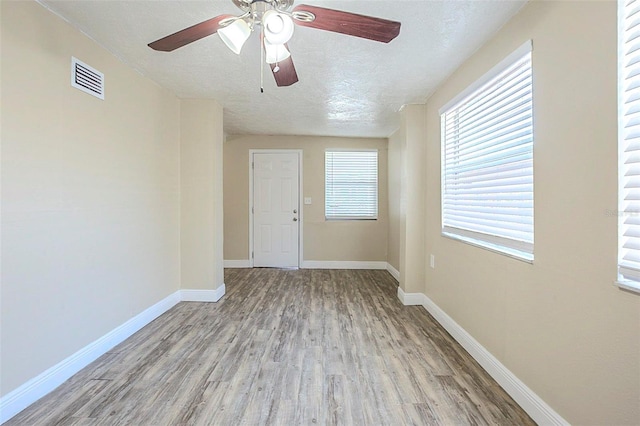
[[348, 86]]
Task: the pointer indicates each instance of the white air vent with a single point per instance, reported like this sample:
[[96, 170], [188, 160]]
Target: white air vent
[[87, 79]]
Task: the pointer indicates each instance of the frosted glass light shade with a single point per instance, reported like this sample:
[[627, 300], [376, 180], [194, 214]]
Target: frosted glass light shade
[[278, 27], [235, 35], [275, 53]]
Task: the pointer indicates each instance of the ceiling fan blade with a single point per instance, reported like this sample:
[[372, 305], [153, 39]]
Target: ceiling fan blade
[[347, 23], [286, 74], [189, 35]]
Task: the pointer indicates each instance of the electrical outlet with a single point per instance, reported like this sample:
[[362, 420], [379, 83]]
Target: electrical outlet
[[307, 200], [432, 262]]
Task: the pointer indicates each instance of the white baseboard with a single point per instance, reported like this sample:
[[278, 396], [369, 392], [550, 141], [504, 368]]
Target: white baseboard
[[393, 271], [31, 391], [244, 263], [410, 299], [202, 295], [338, 264], [530, 402]]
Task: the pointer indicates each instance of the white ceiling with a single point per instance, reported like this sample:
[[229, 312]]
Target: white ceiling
[[348, 86]]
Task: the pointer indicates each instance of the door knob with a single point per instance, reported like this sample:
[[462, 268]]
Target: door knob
[[295, 211], [295, 219]]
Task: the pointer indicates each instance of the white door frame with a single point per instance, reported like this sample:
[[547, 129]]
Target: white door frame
[[300, 197]]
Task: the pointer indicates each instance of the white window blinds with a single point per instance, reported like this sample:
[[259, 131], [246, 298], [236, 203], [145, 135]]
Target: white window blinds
[[487, 157], [629, 142], [351, 184]]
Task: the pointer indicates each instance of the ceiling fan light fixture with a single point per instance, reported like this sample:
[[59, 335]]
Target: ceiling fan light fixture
[[275, 53], [278, 27], [235, 35]]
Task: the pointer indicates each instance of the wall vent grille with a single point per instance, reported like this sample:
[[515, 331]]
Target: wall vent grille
[[86, 78]]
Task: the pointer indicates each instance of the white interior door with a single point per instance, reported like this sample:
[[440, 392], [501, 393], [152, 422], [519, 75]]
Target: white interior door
[[276, 224]]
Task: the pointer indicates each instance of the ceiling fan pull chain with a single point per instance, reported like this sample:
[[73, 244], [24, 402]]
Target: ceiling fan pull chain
[[261, 58]]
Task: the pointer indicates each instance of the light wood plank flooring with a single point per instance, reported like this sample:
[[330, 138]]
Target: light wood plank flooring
[[285, 347]]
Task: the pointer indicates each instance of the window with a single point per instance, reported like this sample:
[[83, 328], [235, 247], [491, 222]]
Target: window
[[351, 184], [487, 160], [629, 144]]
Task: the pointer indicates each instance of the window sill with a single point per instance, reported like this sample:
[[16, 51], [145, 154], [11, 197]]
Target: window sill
[[628, 285], [505, 251], [335, 219]]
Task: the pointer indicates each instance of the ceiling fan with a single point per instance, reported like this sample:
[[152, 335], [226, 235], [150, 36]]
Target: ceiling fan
[[276, 19]]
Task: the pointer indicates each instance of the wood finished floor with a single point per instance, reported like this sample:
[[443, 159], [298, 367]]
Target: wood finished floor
[[285, 347]]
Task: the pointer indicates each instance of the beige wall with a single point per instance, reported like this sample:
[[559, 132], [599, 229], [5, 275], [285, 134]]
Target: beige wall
[[412, 198], [560, 325], [201, 211], [323, 240], [394, 187], [90, 194]]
